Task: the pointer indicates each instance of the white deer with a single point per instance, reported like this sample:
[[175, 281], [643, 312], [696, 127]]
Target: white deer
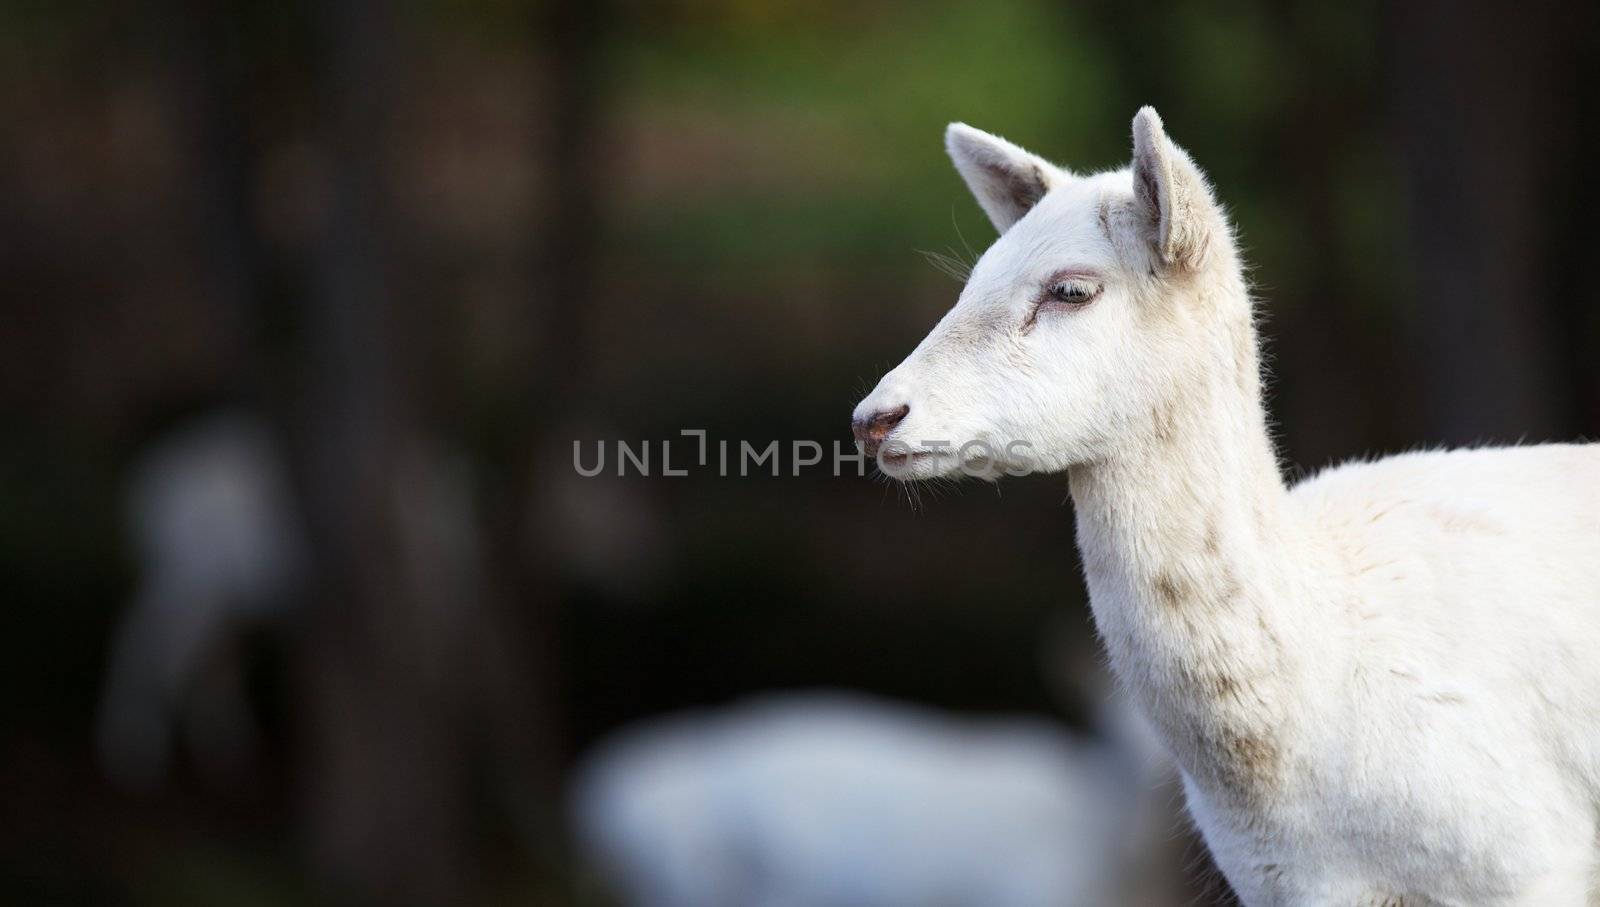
[[825, 799], [1382, 686]]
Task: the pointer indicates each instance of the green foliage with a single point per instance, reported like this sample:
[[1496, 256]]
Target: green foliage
[[849, 113]]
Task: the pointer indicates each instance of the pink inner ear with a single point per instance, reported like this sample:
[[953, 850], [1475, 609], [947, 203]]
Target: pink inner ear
[[1148, 188], [1023, 188]]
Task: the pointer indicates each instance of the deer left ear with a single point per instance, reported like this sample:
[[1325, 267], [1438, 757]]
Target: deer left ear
[[1172, 193], [1006, 180]]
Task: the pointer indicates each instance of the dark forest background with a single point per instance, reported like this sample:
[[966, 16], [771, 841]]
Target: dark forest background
[[474, 231]]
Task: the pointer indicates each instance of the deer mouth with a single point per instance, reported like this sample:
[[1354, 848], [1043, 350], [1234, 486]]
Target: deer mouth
[[902, 458], [910, 465], [905, 465], [917, 465]]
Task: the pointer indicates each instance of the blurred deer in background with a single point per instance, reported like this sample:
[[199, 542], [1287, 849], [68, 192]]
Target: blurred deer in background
[[1380, 686], [834, 800], [212, 518], [222, 553]]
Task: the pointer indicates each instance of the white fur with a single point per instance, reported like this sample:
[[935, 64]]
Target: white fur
[[1382, 686]]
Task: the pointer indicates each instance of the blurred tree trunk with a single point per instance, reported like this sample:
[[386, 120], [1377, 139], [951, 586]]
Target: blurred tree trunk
[[538, 402], [569, 235], [1481, 100], [215, 77], [408, 669], [386, 797]]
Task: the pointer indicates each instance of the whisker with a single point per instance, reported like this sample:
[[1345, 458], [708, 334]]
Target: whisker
[[971, 255], [948, 265]]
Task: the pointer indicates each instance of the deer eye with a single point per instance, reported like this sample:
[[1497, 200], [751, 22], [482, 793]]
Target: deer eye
[[1073, 291]]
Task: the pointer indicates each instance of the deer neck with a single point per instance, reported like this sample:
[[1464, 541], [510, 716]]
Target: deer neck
[[1196, 574]]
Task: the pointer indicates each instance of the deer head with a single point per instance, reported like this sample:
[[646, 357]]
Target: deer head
[[1106, 299]]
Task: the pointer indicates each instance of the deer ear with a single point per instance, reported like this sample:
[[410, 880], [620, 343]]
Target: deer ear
[[1172, 194], [1006, 180]]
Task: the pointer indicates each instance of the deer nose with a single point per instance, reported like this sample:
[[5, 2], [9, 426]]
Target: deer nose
[[871, 430]]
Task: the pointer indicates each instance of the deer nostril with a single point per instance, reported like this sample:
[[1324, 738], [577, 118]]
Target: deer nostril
[[876, 427], [888, 419]]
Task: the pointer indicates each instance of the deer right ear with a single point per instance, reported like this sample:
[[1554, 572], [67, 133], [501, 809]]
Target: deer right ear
[[1172, 193], [1006, 180]]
